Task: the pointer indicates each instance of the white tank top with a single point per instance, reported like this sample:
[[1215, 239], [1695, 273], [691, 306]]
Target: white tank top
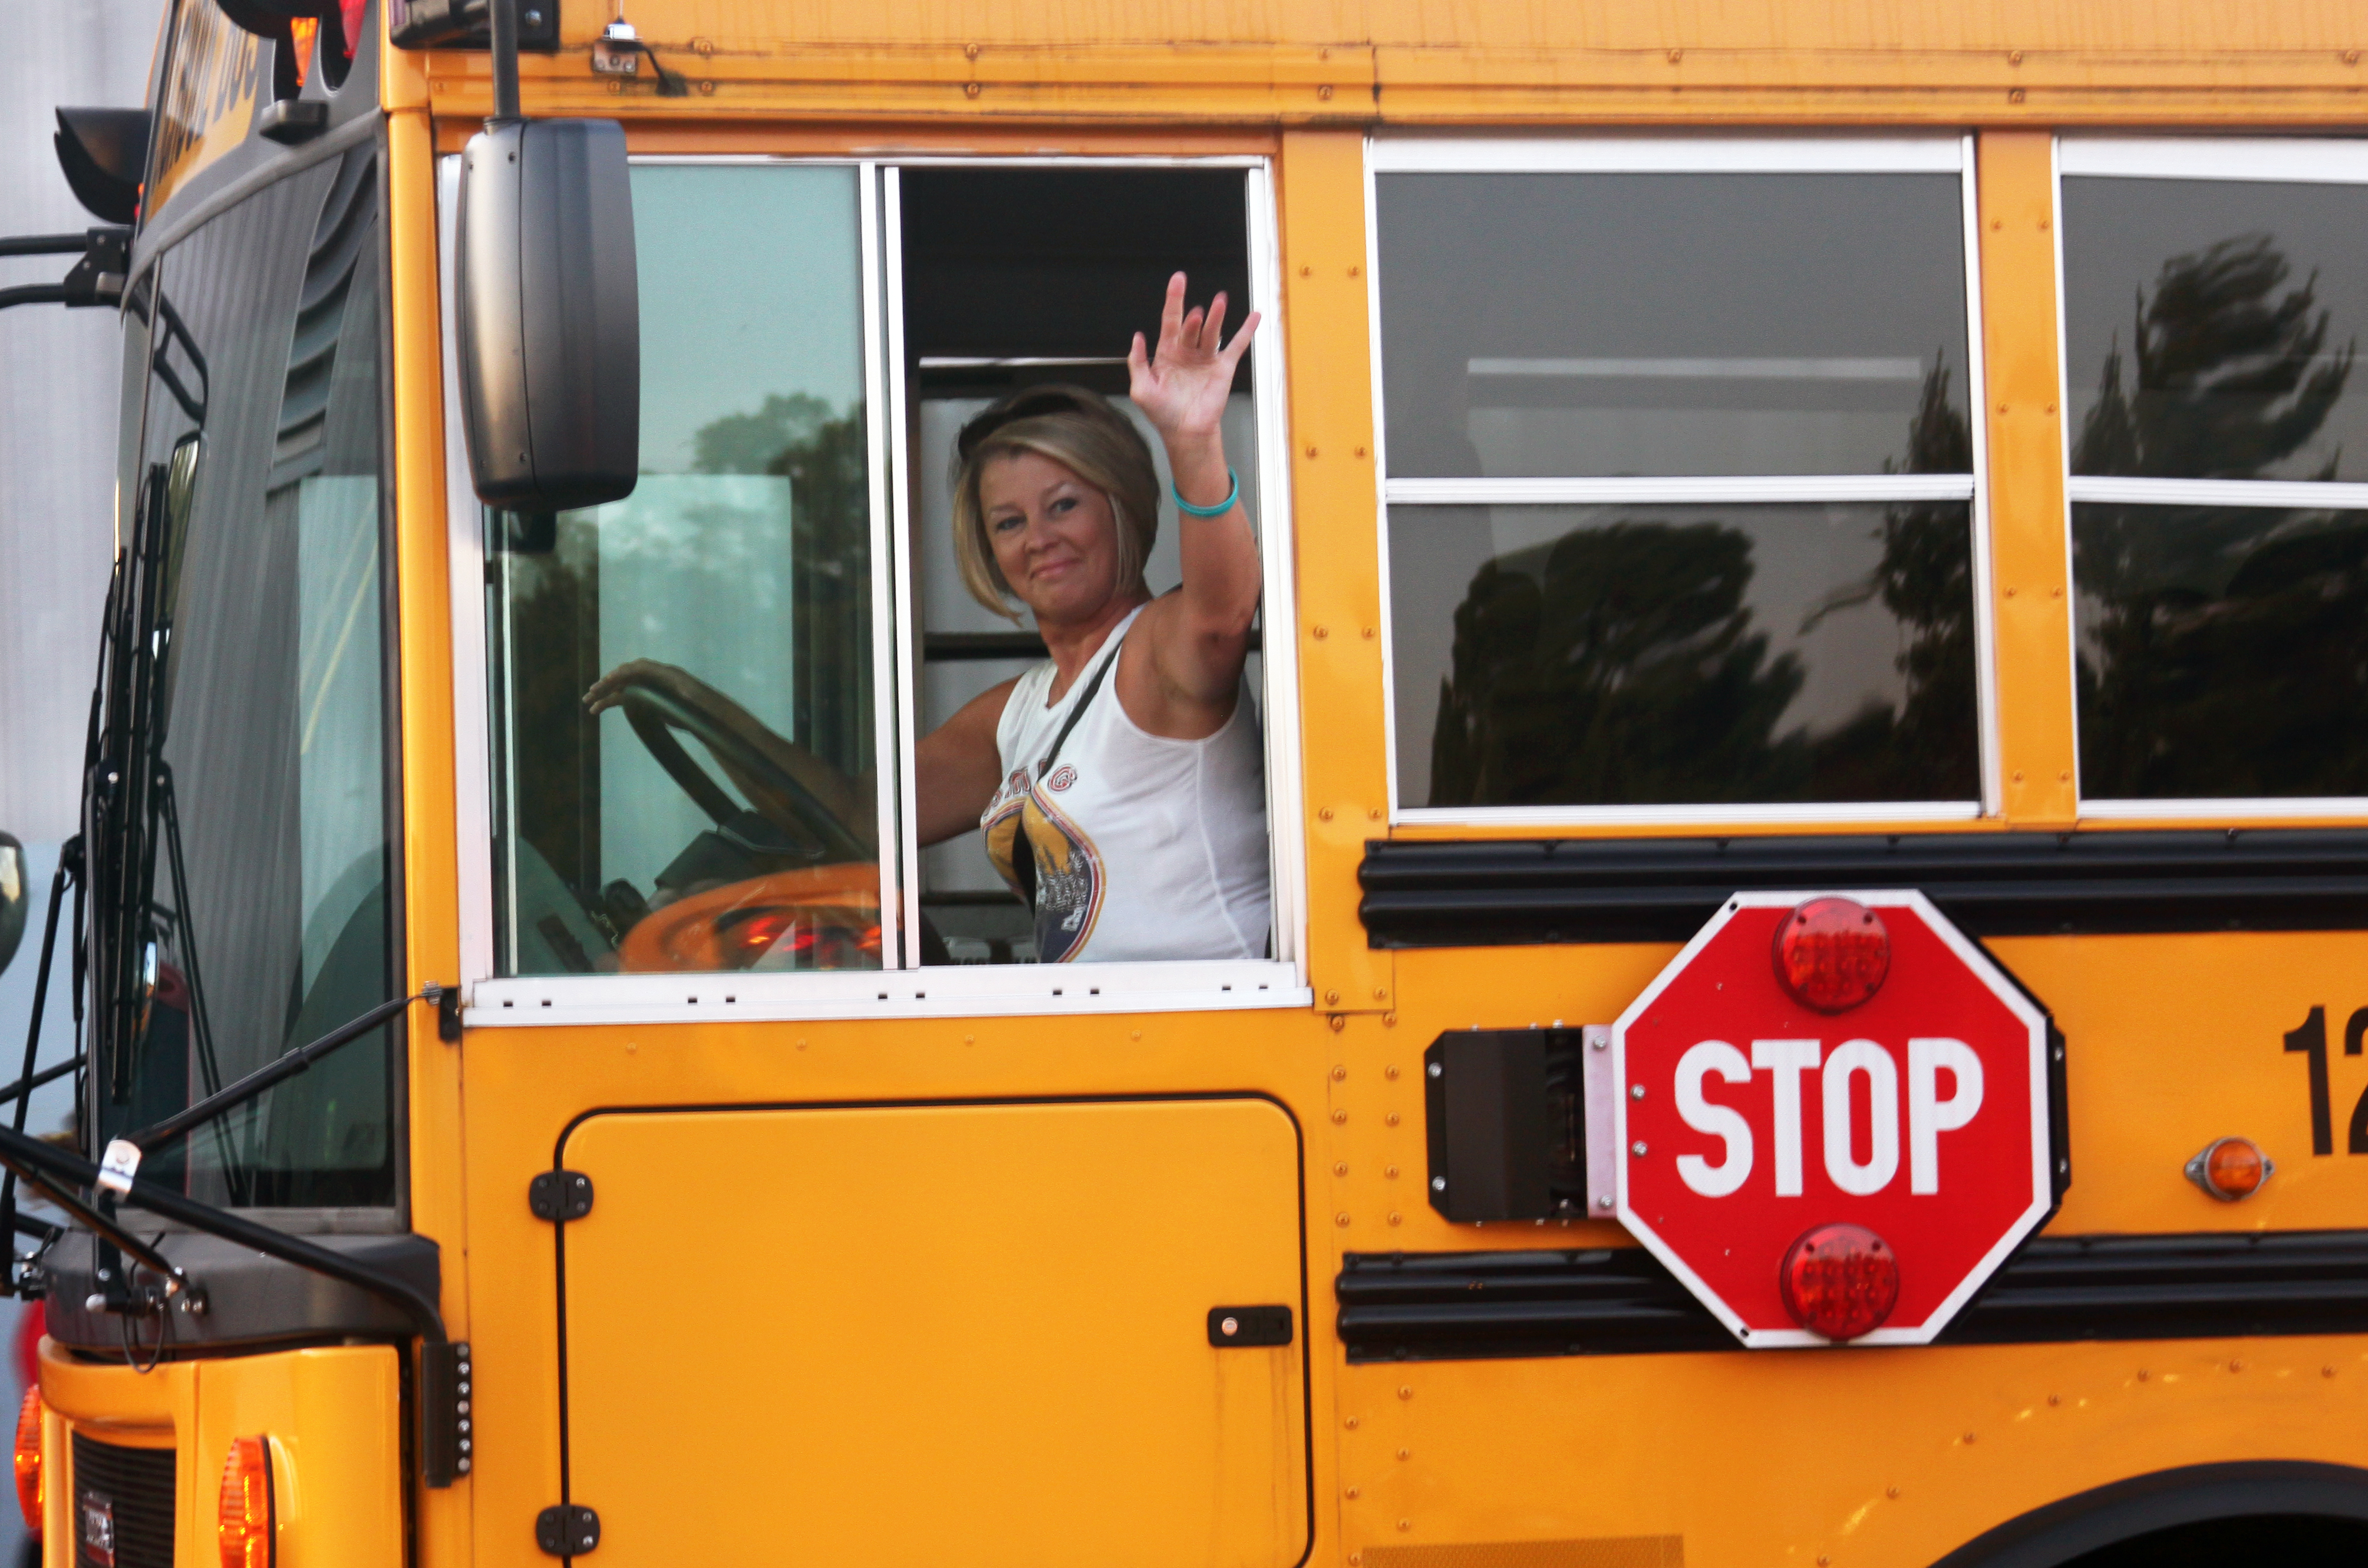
[[1145, 846]]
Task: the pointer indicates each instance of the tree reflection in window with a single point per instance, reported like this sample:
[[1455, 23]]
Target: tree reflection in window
[[2223, 651], [1622, 663]]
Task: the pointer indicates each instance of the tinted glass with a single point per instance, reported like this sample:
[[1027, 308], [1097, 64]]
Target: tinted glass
[[1623, 655], [721, 815], [1704, 324], [2224, 651], [2210, 325], [258, 541]]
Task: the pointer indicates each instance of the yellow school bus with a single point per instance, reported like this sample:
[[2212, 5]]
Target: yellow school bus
[[1695, 452]]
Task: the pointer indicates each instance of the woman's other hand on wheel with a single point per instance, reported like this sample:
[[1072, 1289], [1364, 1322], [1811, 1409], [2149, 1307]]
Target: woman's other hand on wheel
[[1181, 386], [610, 690]]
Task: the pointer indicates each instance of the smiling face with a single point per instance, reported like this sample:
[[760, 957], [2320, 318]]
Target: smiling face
[[1054, 536]]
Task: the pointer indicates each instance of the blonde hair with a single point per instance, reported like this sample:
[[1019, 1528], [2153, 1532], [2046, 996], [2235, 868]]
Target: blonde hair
[[1079, 430]]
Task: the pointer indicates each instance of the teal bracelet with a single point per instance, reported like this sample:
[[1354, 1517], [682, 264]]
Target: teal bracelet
[[1220, 509]]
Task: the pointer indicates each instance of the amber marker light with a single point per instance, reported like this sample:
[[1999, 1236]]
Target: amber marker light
[[1839, 1281], [2231, 1169], [29, 1494], [247, 1522]]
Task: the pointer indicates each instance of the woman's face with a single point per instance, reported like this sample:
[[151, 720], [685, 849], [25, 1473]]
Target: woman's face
[[1052, 534]]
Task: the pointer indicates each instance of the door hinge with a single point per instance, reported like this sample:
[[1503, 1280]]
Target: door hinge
[[567, 1530], [446, 1403], [560, 1196]]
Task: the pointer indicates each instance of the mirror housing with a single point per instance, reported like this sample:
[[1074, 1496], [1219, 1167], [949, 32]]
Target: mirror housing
[[104, 154], [548, 322], [14, 893]]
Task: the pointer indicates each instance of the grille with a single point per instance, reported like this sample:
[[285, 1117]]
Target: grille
[[124, 1499]]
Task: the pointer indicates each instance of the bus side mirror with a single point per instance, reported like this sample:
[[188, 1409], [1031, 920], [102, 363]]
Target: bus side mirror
[[13, 893], [550, 316], [104, 152]]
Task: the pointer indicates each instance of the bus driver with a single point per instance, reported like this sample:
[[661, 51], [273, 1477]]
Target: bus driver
[[1119, 783]]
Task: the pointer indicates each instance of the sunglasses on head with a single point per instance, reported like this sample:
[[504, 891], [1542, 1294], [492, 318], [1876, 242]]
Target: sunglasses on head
[[1020, 405]]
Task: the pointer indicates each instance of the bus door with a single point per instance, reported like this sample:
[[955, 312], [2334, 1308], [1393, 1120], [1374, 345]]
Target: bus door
[[1073, 1329]]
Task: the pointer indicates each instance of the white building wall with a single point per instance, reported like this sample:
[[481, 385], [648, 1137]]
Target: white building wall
[[58, 372]]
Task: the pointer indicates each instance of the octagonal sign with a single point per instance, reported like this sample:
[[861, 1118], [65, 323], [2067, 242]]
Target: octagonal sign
[[1747, 1118]]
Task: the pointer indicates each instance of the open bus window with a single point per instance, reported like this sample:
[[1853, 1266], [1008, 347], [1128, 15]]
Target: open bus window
[[703, 697], [1006, 287], [2219, 439], [1680, 478]]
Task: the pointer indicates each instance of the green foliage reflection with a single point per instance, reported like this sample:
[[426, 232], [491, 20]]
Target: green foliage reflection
[[1620, 665], [2223, 651]]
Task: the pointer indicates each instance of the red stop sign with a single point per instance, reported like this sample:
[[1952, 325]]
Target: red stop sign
[[1745, 1119]]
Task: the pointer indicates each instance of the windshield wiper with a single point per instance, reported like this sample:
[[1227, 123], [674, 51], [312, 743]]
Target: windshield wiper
[[123, 1155]]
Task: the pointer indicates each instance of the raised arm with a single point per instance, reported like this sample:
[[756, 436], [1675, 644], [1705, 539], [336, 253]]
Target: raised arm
[[1198, 636]]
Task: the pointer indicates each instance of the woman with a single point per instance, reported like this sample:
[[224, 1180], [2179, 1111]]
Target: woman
[[1119, 782]]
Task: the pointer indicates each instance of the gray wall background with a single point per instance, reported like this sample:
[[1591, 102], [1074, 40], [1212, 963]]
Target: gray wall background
[[58, 371]]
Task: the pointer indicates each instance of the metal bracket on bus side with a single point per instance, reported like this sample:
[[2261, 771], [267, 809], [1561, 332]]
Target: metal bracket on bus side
[[446, 999], [560, 1196], [1598, 1091], [445, 1401], [568, 1530]]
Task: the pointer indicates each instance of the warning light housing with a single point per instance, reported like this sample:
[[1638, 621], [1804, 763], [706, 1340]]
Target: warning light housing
[[2231, 1169], [1832, 954], [29, 1493], [1839, 1281], [247, 1525]]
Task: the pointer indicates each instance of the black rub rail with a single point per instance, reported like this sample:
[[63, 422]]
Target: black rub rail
[[1621, 1302], [1991, 884]]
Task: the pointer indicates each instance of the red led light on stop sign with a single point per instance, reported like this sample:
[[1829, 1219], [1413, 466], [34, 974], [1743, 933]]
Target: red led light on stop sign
[[1840, 1281], [1832, 953]]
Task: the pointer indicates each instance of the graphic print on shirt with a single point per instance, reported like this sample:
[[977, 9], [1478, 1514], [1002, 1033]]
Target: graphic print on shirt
[[1068, 871]]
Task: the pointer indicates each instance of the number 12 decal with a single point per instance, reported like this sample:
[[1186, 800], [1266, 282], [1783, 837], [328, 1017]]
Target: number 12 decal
[[2311, 1040]]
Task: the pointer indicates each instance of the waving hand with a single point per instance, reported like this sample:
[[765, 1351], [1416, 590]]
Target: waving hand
[[1181, 386]]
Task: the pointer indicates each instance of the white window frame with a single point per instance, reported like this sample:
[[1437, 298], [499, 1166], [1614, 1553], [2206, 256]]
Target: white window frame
[[905, 989], [1948, 154], [2227, 159]]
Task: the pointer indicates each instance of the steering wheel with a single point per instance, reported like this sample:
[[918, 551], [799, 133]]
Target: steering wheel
[[811, 832]]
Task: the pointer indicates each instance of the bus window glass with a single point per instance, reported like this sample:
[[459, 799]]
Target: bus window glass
[[682, 680], [1679, 488], [1601, 656], [2223, 651], [268, 841], [1541, 324], [2211, 328]]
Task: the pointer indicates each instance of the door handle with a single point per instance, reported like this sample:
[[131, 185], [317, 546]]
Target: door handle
[[1231, 1327]]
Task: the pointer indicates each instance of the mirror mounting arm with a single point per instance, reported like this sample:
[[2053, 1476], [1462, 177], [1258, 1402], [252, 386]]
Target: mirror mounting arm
[[505, 65]]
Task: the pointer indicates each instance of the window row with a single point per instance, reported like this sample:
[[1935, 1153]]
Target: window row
[[1683, 492], [1683, 514]]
